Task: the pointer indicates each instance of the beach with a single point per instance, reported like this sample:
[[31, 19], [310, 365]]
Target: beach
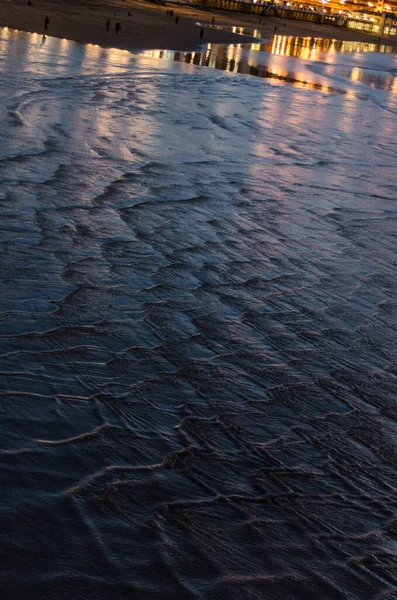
[[198, 315], [149, 27]]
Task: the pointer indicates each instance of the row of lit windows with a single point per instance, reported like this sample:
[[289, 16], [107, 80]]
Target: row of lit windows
[[371, 27]]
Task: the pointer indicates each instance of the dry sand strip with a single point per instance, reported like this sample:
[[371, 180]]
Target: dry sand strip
[[148, 26]]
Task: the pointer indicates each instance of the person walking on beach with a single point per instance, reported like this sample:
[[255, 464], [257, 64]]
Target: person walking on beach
[[213, 20], [275, 30], [118, 27], [107, 25], [201, 34], [46, 23], [176, 20]]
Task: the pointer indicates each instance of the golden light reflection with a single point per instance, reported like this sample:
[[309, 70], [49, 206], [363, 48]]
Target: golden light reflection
[[245, 58], [112, 59], [93, 51], [392, 103], [122, 57], [355, 74]]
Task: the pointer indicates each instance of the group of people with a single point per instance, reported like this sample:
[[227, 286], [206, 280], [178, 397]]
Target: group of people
[[170, 13], [118, 26], [108, 23]]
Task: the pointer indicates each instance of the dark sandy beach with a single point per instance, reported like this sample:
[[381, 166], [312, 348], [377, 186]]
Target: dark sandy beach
[[149, 27]]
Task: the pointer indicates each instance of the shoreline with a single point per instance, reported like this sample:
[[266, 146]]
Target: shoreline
[[146, 26]]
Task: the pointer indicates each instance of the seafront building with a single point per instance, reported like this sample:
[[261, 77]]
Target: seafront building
[[378, 17]]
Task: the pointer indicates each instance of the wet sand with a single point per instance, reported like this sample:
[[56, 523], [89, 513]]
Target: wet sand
[[149, 27], [198, 320]]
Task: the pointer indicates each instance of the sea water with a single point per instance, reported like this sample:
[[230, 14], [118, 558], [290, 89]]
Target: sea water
[[198, 319]]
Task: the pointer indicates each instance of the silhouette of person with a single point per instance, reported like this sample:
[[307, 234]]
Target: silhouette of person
[[176, 20], [46, 23], [213, 20], [118, 27], [201, 34], [107, 24], [275, 30]]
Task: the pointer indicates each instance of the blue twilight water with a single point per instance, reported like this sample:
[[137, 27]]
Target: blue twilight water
[[198, 319]]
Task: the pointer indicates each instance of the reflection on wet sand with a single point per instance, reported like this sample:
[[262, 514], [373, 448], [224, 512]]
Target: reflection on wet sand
[[242, 58], [306, 47], [310, 48], [255, 59]]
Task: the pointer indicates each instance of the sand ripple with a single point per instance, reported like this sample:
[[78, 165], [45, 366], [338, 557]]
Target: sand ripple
[[198, 336]]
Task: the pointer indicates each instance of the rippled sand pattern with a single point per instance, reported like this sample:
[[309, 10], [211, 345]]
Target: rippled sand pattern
[[198, 334]]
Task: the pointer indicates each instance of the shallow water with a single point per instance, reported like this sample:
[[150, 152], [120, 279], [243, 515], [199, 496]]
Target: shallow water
[[197, 327]]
